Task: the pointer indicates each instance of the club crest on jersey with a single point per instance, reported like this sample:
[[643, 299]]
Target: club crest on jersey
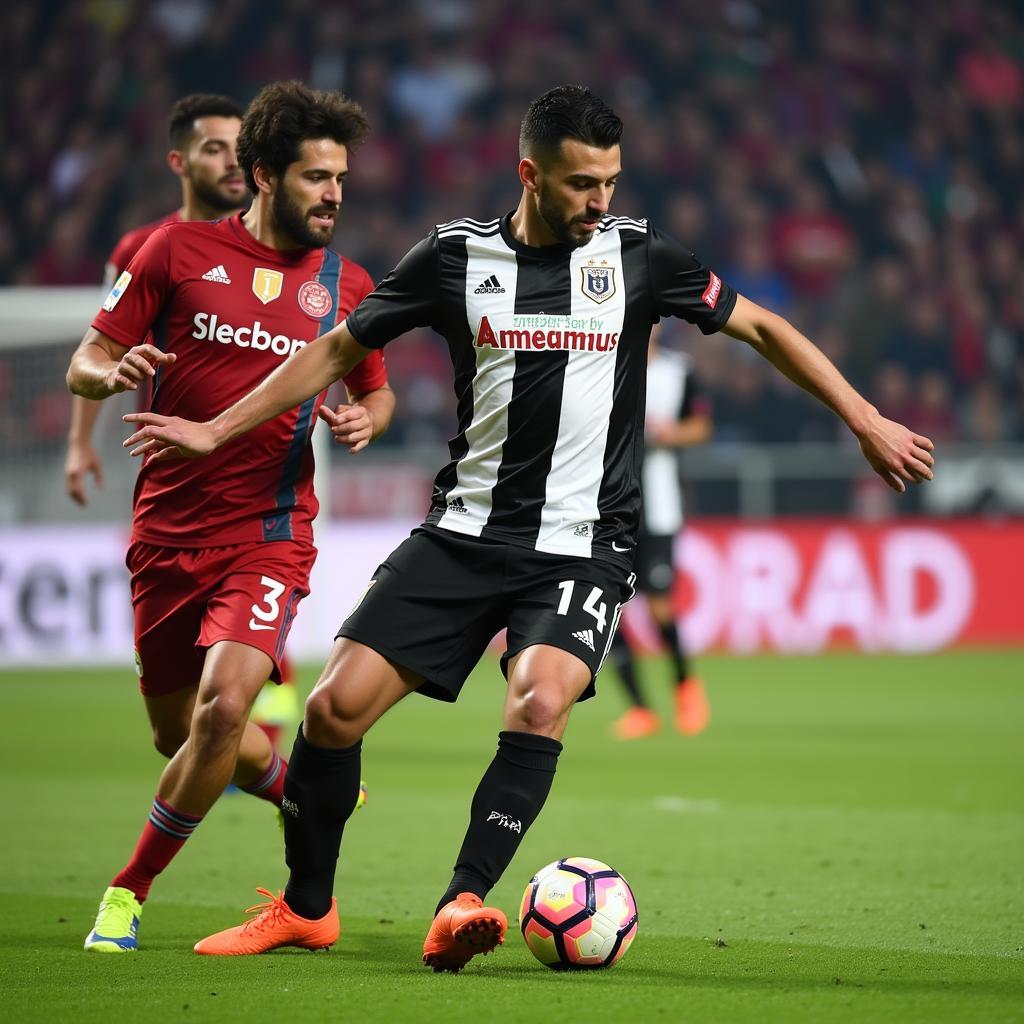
[[598, 283], [266, 284], [314, 300]]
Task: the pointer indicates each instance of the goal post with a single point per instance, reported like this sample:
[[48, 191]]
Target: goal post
[[39, 330]]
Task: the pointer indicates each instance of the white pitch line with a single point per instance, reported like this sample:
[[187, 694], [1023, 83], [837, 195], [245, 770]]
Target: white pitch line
[[684, 805]]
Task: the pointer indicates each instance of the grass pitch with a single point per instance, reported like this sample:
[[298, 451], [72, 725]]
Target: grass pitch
[[845, 843]]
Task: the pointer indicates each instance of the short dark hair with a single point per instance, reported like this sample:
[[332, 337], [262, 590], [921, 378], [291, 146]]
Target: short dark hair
[[567, 112], [284, 115], [185, 113]]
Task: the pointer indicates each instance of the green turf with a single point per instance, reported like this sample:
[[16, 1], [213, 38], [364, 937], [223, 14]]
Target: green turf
[[844, 844]]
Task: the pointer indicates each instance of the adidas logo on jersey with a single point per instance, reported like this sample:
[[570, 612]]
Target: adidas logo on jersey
[[218, 274], [585, 636], [458, 505], [492, 286]]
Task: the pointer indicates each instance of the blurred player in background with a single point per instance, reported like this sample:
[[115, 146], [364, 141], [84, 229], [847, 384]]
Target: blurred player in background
[[222, 549], [203, 134], [678, 415], [203, 131], [547, 312]]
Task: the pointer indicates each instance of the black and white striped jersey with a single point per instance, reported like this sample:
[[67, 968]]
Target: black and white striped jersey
[[549, 347], [673, 394]]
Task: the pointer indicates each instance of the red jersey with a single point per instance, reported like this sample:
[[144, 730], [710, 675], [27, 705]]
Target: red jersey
[[130, 243], [121, 255], [232, 310]]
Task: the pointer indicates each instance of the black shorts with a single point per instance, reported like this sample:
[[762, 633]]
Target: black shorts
[[440, 598], [655, 566]]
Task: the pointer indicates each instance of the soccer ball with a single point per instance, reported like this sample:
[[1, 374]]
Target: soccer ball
[[578, 914]]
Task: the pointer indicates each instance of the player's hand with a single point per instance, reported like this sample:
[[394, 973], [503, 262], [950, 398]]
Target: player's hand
[[169, 437], [896, 454], [137, 366], [350, 424], [659, 432], [82, 459]]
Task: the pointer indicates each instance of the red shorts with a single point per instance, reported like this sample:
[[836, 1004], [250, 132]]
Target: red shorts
[[187, 599]]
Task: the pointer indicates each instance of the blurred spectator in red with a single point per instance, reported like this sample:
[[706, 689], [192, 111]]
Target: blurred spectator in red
[[67, 258], [990, 76], [934, 410], [813, 244]]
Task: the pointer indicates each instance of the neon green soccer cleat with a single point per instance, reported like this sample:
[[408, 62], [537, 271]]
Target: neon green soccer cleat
[[117, 924], [277, 705]]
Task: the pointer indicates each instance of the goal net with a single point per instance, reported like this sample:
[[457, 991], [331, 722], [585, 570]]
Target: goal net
[[39, 330]]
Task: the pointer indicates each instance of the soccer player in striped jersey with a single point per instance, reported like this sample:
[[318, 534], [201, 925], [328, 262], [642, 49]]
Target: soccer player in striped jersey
[[547, 312], [222, 549], [678, 415]]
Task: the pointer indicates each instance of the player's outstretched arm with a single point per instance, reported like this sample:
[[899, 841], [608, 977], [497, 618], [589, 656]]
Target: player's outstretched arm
[[312, 369], [82, 458], [102, 367], [681, 433], [896, 453]]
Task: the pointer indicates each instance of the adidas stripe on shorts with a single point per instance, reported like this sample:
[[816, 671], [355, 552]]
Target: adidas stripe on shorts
[[440, 598]]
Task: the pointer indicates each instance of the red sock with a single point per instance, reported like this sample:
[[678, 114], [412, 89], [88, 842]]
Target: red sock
[[162, 837], [270, 785]]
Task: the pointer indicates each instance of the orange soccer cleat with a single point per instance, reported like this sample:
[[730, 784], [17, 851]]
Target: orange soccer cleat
[[636, 723], [461, 929], [274, 925], [693, 712]]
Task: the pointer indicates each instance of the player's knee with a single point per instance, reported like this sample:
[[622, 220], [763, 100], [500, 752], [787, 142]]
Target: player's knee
[[330, 721], [168, 738], [220, 718], [537, 706]]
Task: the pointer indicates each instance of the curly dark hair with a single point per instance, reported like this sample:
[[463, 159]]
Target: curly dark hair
[[181, 124], [567, 112], [285, 114]]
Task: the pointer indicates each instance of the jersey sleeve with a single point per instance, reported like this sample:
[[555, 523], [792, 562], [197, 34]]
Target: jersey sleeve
[[683, 287], [406, 299], [371, 373], [139, 293], [121, 255]]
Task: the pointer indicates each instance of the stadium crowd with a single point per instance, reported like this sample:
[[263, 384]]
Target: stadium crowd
[[855, 166]]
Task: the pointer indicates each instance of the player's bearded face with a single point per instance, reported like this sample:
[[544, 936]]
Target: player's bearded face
[[224, 193], [561, 218], [574, 193], [305, 200], [211, 165], [311, 227]]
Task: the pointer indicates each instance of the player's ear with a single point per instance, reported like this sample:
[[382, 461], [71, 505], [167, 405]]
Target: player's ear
[[263, 176], [529, 174], [176, 162]]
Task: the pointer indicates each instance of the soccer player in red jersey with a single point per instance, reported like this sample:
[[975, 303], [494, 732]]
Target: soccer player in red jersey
[[203, 133], [203, 130], [222, 549]]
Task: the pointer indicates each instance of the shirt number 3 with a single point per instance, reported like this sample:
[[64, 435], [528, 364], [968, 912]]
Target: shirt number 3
[[268, 609]]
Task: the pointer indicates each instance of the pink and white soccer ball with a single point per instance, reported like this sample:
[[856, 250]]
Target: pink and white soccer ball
[[578, 914]]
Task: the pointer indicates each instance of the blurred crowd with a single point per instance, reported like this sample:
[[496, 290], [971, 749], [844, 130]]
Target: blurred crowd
[[855, 166]]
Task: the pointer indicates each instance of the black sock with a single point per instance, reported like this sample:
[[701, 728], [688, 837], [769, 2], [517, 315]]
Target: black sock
[[320, 793], [670, 637], [625, 664], [506, 803]]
